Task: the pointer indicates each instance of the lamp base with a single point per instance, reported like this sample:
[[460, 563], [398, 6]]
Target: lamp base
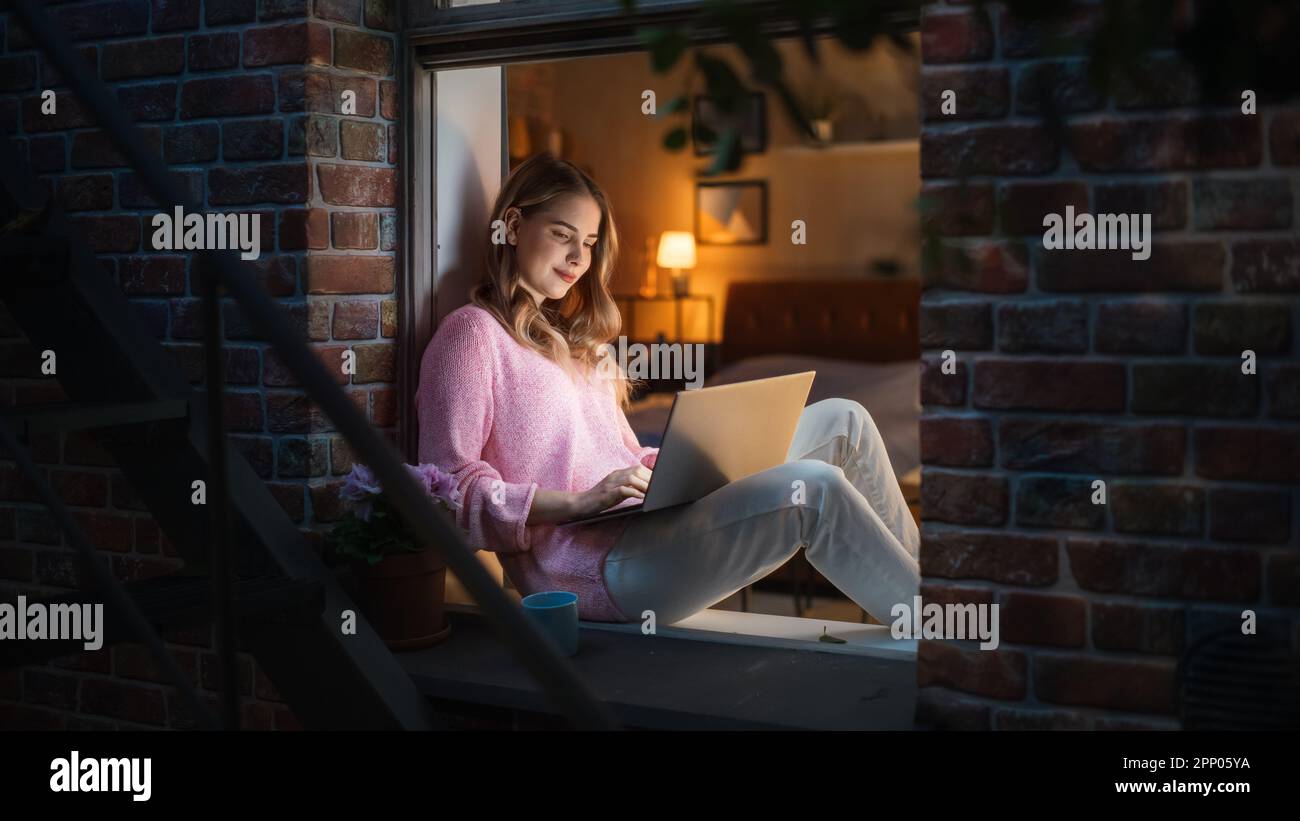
[[681, 285]]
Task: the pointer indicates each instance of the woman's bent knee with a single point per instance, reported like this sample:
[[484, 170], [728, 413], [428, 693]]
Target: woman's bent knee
[[850, 409], [815, 470], [816, 479], [795, 483]]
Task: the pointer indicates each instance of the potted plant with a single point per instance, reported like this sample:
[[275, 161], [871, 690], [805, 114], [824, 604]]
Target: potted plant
[[402, 582]]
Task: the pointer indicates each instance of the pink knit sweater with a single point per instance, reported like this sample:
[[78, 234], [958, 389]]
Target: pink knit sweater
[[505, 421]]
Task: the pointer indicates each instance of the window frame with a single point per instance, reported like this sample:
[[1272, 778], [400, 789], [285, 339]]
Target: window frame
[[436, 36]]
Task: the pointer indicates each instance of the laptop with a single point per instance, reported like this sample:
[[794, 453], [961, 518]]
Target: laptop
[[718, 435]]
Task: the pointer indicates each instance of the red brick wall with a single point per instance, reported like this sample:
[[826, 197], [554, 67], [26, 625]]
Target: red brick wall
[[1083, 365], [243, 97]]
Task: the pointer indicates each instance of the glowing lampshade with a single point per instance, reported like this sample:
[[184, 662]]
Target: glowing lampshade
[[677, 249]]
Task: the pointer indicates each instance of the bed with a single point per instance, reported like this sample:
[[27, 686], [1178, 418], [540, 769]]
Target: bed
[[860, 336]]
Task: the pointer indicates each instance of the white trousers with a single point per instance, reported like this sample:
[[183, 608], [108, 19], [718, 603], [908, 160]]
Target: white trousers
[[835, 496]]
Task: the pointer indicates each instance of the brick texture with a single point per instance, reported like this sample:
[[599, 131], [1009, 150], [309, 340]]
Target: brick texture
[[1078, 370], [244, 99]]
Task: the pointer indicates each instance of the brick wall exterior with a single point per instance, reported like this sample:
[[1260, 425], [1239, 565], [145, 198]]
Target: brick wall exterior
[[1072, 366], [1083, 365], [243, 98]]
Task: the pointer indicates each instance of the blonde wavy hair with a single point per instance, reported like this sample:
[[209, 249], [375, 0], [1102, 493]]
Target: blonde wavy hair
[[572, 331]]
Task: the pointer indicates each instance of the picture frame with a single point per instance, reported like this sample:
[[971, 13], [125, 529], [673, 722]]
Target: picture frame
[[731, 213], [753, 125]]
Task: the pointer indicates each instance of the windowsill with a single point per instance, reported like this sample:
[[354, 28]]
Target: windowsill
[[785, 632], [712, 680], [766, 630]]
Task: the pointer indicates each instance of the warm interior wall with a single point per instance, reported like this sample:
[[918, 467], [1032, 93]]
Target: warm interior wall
[[857, 199], [468, 175], [469, 152]]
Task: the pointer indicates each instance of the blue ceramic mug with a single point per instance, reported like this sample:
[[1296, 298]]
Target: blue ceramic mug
[[556, 613]]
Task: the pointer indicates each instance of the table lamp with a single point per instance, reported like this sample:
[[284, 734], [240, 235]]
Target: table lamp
[[677, 252]]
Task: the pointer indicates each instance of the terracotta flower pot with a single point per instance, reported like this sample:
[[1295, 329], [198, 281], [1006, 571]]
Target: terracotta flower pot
[[403, 598]]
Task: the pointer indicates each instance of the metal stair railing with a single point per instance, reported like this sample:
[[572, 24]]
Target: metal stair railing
[[289, 601], [556, 676], [220, 546]]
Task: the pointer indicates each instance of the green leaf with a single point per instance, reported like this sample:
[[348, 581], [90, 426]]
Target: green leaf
[[723, 85], [673, 106], [744, 27], [703, 134], [792, 108], [805, 13], [830, 639], [727, 155], [901, 42], [675, 140], [666, 45], [764, 60], [857, 25]]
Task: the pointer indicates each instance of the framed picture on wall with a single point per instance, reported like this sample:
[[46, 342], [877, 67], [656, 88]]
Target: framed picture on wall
[[751, 121], [731, 213]]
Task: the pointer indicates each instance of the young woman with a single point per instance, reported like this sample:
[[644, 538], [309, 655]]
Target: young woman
[[516, 402]]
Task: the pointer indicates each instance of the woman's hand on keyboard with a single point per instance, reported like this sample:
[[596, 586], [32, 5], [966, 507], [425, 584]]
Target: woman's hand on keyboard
[[630, 482]]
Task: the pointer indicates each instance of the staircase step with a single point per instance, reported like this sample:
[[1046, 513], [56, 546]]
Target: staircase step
[[66, 416], [31, 245], [114, 357], [34, 259], [177, 601]]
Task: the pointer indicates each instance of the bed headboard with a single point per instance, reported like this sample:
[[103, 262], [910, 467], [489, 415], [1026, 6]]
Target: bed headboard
[[869, 320]]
